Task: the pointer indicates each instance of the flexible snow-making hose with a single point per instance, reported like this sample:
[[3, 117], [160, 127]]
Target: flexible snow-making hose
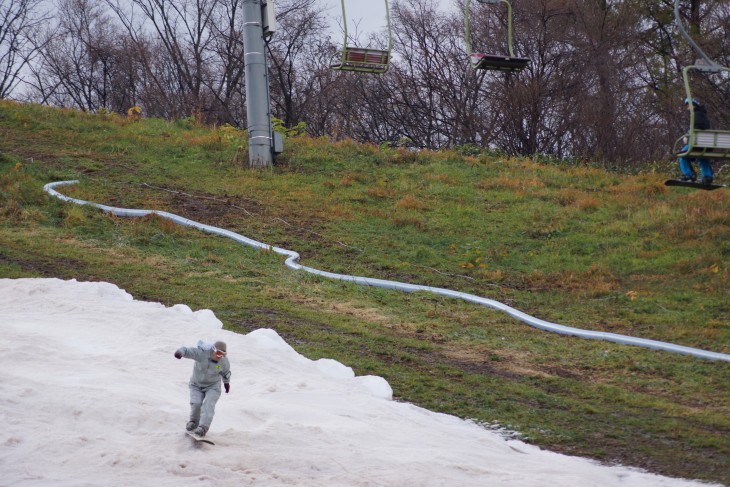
[[292, 262]]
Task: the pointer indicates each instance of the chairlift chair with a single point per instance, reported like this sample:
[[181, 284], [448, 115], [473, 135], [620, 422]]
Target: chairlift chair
[[364, 60], [499, 62], [700, 143]]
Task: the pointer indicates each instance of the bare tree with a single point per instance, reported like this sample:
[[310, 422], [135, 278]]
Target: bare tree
[[19, 21], [182, 28], [225, 71], [604, 82], [81, 59], [320, 97], [159, 92], [435, 97], [603, 42], [293, 52], [534, 109]]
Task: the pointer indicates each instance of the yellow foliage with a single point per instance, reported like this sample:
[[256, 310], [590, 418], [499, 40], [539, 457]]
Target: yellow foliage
[[134, 113]]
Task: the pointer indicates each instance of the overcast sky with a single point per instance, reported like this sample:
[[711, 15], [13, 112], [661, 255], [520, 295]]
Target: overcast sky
[[370, 13]]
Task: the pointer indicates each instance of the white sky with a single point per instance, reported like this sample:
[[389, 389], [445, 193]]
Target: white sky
[[370, 13], [91, 395]]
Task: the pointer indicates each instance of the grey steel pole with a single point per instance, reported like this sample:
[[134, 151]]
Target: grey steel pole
[[257, 87]]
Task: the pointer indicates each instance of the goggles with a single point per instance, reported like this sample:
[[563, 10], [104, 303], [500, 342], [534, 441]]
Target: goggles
[[222, 353]]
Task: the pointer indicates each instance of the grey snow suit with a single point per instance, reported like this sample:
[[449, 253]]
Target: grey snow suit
[[205, 383]]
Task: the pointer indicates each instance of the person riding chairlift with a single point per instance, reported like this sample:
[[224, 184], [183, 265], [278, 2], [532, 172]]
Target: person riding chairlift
[[701, 122]]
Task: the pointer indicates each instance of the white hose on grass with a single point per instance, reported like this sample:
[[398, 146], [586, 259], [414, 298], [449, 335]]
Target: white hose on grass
[[292, 263]]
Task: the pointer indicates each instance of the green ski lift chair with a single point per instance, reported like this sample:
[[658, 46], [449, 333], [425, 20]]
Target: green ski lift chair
[[364, 60], [494, 61], [700, 143]]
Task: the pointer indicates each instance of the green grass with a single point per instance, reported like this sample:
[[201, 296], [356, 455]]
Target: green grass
[[575, 245]]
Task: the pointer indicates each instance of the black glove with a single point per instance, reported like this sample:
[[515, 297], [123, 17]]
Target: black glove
[[228, 387], [178, 355]]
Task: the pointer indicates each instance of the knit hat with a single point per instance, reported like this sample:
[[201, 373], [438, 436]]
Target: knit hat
[[220, 346]]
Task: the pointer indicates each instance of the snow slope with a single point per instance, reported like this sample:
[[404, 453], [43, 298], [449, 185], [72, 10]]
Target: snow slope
[[91, 395]]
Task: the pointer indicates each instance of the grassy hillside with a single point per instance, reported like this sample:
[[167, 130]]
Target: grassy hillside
[[574, 245]]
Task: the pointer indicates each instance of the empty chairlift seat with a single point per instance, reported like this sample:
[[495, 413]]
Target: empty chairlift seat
[[501, 62], [497, 62], [364, 60]]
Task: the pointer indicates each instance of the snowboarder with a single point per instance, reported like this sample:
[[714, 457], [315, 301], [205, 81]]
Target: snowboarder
[[211, 365], [701, 122]]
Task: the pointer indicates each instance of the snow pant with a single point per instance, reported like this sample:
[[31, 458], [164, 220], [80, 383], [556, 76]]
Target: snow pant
[[202, 403], [685, 165]]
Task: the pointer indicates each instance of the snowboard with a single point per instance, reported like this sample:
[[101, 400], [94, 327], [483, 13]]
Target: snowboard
[[199, 439], [690, 184]]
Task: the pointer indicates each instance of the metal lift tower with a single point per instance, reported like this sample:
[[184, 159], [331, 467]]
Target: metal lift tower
[[259, 24]]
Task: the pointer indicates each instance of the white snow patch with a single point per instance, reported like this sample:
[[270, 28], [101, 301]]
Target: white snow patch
[[91, 395]]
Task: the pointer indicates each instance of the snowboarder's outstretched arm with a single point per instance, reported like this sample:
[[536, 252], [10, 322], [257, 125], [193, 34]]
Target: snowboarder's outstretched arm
[[188, 352]]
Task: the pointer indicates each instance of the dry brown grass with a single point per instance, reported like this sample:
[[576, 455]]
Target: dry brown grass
[[210, 140], [403, 156], [405, 221], [578, 199], [595, 282], [520, 185], [409, 202], [380, 192], [441, 178], [348, 308]]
